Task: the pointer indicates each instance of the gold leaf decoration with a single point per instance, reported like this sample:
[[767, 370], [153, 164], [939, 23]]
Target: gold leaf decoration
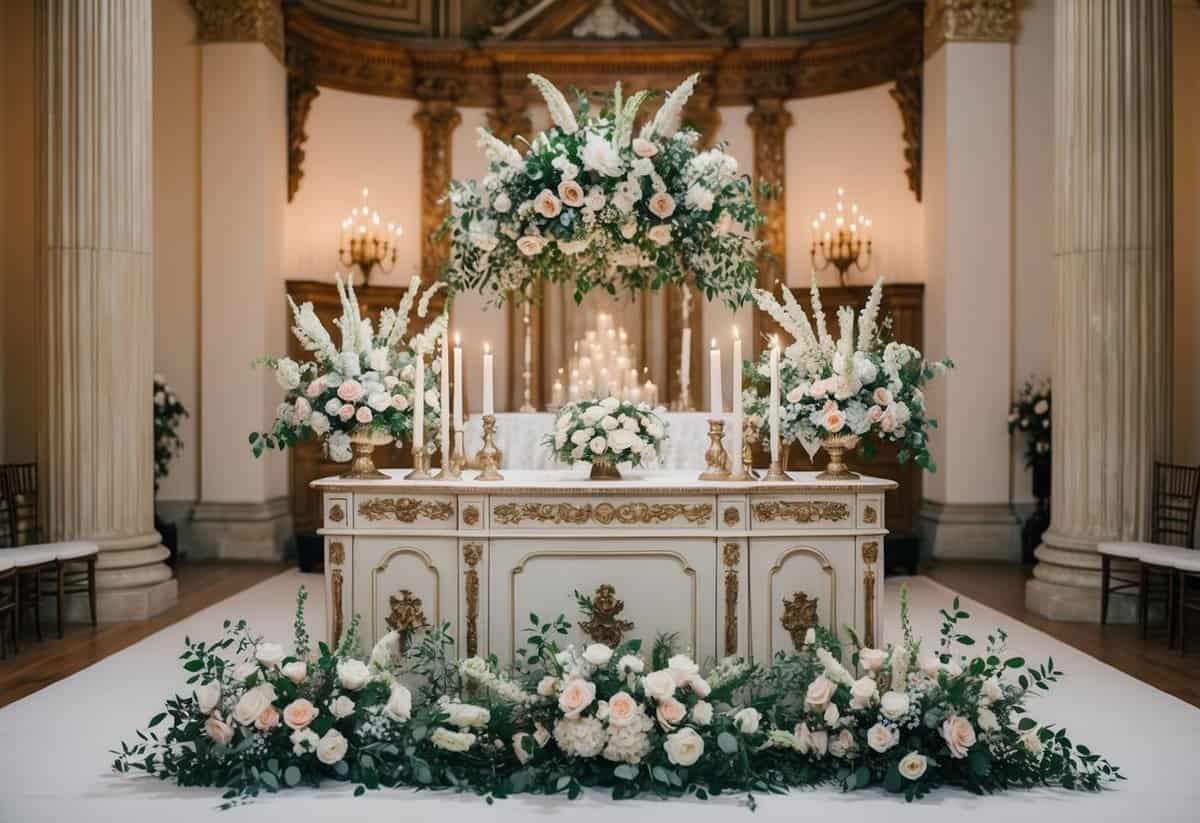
[[404, 509], [628, 514], [801, 511]]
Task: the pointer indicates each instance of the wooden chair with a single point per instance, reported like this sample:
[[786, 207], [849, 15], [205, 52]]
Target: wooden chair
[[1175, 494], [10, 595], [1187, 567]]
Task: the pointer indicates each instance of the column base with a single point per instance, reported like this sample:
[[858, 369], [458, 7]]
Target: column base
[[1072, 604], [969, 531], [119, 605], [240, 531]]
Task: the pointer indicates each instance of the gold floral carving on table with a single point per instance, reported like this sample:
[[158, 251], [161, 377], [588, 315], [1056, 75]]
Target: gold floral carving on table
[[731, 553], [603, 625], [336, 513], [337, 583], [801, 511], [471, 515], [472, 553], [799, 615], [628, 514], [870, 555], [404, 509], [870, 515], [337, 553], [732, 516], [407, 615]]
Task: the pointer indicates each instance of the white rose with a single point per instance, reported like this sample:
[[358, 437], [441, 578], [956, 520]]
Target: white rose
[[1032, 743], [610, 404], [953, 668], [576, 696], [659, 685], [530, 246], [842, 744], [810, 742], [379, 401], [244, 670], [608, 423], [399, 704], [872, 659], [893, 705], [465, 716], [332, 747], [747, 720], [386, 650], [598, 654], [353, 674], [912, 766], [810, 636], [819, 693], [699, 198], [881, 738], [547, 686], [628, 229], [660, 235], [930, 664], [661, 205], [220, 731], [684, 747], [287, 373], [598, 155], [502, 203], [623, 710], [304, 741], [959, 735], [832, 715], [702, 713], [251, 705], [547, 205], [682, 668], [990, 692], [452, 741], [987, 720], [332, 406], [630, 664], [580, 437], [698, 685], [319, 423], [670, 713], [341, 707], [598, 445], [862, 692], [269, 655], [208, 696]]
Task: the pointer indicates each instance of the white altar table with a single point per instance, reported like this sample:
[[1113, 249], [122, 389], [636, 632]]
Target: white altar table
[[732, 568]]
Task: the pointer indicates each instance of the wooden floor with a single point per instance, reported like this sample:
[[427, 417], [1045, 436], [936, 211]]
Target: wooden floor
[[41, 663], [1002, 587]]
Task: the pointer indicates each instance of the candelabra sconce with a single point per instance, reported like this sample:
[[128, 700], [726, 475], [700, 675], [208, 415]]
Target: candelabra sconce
[[364, 244], [488, 457], [716, 459], [841, 242]]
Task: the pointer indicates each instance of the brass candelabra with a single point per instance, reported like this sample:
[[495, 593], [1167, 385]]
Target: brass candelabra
[[364, 243], [841, 240]]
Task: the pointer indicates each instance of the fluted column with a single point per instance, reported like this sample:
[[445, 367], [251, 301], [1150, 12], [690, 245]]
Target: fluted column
[[1112, 365], [94, 425]]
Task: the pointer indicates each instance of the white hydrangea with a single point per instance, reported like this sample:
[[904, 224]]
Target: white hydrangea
[[631, 743], [339, 447], [580, 736]]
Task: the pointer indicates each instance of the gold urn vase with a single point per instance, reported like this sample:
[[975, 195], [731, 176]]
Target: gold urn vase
[[604, 468], [362, 444], [836, 447]]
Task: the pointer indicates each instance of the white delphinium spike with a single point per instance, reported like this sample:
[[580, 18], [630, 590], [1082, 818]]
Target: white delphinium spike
[[427, 341], [767, 302], [819, 318], [867, 320], [423, 306], [623, 134], [387, 319], [497, 151], [311, 332], [560, 110], [400, 327], [670, 115], [349, 323], [798, 316]]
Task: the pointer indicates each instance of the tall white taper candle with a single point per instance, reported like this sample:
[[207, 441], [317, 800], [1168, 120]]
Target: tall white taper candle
[[458, 384], [685, 359], [444, 401], [774, 400], [716, 392], [418, 429], [488, 387], [737, 398]]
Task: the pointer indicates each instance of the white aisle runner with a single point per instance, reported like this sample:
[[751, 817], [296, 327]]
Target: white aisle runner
[[54, 761]]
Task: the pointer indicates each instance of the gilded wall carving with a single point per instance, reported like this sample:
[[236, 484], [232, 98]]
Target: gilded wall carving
[[979, 20], [472, 554], [241, 21], [870, 556], [301, 93], [604, 625], [907, 94], [437, 120], [731, 556], [769, 122], [799, 615]]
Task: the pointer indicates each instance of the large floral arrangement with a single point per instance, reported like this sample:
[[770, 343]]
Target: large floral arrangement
[[365, 386], [611, 430], [168, 413], [590, 203], [1030, 415], [261, 718], [853, 385]]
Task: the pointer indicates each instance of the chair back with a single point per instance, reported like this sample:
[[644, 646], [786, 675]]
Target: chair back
[[6, 528], [19, 483], [1173, 508]]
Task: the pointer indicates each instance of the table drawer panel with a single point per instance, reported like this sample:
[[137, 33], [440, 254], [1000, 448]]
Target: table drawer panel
[[511, 513], [391, 511], [800, 511]]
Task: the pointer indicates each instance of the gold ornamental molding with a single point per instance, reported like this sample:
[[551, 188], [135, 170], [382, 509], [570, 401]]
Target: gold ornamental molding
[[870, 555], [628, 514], [986, 21], [907, 92], [241, 21], [336, 513], [731, 554], [801, 511], [799, 615], [604, 624], [404, 509], [436, 120], [337, 556], [472, 554], [732, 516], [470, 514], [301, 92], [405, 607], [826, 566], [870, 515]]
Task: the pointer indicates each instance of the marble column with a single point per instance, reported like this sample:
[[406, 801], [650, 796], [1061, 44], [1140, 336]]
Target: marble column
[[1113, 260], [94, 206]]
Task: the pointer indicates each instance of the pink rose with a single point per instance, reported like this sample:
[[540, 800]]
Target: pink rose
[[316, 388], [874, 414], [346, 412], [819, 389], [547, 205], [363, 415], [661, 205], [267, 719], [959, 735], [834, 421], [400, 402], [530, 246], [351, 391], [576, 696], [220, 731], [670, 713], [887, 422], [299, 713], [820, 692], [660, 235], [622, 709], [872, 659], [644, 148], [881, 396], [571, 193]]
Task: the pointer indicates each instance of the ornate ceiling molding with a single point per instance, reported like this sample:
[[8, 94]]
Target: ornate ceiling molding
[[241, 21], [988, 21]]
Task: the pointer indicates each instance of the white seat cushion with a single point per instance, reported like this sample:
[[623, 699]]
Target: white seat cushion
[[1188, 561], [1127, 549], [25, 557], [75, 550], [1166, 556], [5, 564]]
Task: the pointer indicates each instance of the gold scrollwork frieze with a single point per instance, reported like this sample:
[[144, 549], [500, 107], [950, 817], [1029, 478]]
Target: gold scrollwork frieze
[[628, 514], [870, 556], [802, 511], [472, 554], [404, 509]]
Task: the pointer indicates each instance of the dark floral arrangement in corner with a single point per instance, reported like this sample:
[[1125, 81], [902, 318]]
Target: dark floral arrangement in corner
[[1030, 415], [168, 413]]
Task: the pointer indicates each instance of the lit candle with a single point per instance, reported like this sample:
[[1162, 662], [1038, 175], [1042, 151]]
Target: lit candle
[[488, 387], [556, 396], [444, 401], [737, 397], [418, 427], [716, 394], [685, 359], [774, 405], [458, 383], [651, 392]]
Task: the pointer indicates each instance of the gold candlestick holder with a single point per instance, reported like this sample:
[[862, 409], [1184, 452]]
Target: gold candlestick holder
[[716, 458], [776, 473], [684, 402], [420, 465], [488, 457], [457, 458], [745, 466]]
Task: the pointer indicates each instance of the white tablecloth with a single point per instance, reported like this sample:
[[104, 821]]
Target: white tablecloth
[[520, 438]]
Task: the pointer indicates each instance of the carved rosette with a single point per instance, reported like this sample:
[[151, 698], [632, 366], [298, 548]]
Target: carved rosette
[[241, 21], [801, 511], [870, 556], [603, 624], [769, 122], [437, 120], [472, 554], [336, 513], [628, 514], [404, 509], [732, 516], [870, 515], [731, 555], [907, 94], [988, 21], [471, 515], [799, 615]]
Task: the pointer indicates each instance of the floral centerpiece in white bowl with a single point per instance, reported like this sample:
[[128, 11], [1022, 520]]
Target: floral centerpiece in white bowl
[[362, 394], [841, 393], [590, 203], [607, 433]]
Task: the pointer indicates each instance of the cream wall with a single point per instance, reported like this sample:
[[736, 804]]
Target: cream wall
[[177, 229], [1187, 230]]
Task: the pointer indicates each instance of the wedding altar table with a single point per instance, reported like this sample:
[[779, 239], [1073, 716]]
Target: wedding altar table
[[731, 568]]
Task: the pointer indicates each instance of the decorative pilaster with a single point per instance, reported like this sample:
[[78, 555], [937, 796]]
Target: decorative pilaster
[[437, 120], [980, 21], [241, 21], [1113, 255], [94, 224], [769, 122]]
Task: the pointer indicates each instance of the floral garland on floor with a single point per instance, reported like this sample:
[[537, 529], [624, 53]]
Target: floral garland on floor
[[261, 718]]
